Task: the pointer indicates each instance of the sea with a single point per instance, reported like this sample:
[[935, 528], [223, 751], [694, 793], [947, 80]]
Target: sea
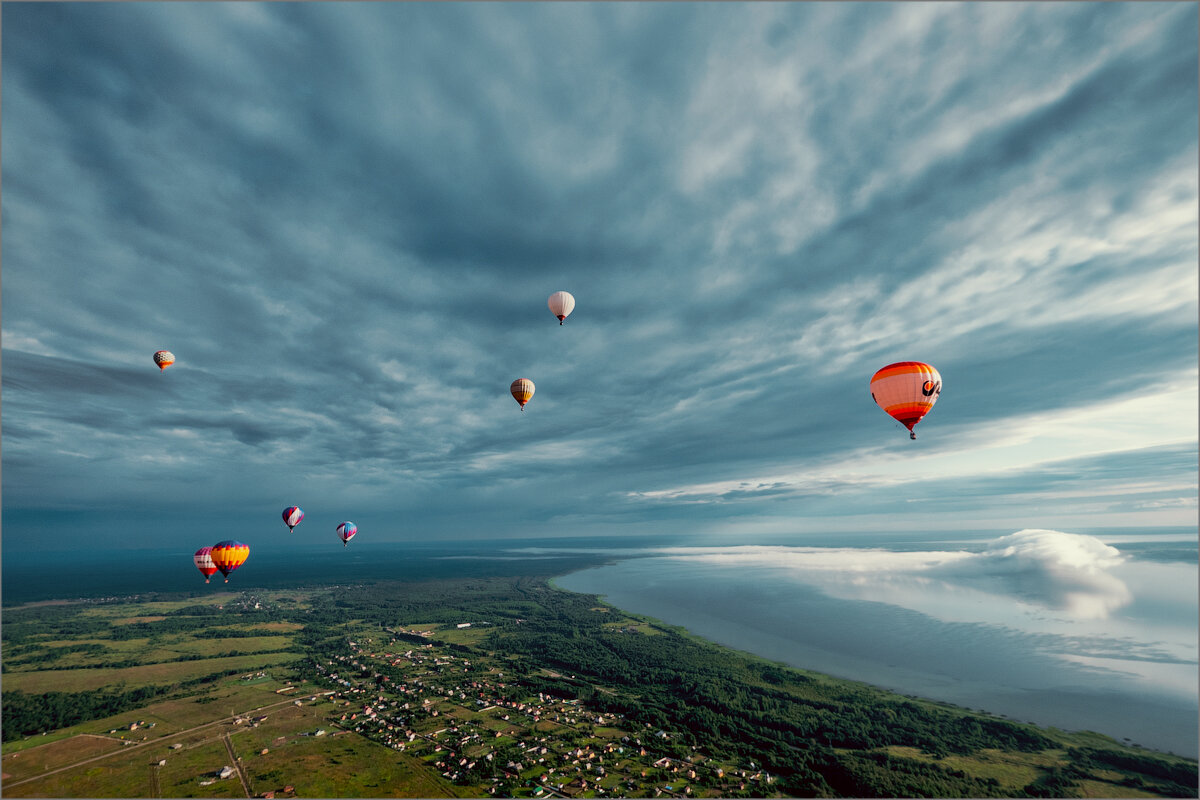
[[1079, 630]]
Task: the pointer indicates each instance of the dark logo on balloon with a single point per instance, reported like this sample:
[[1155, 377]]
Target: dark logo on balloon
[[931, 388]]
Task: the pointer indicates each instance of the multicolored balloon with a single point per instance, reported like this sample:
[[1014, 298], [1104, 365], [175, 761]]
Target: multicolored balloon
[[228, 556], [346, 532], [204, 562], [906, 391], [292, 516], [561, 305], [164, 359], [522, 390]]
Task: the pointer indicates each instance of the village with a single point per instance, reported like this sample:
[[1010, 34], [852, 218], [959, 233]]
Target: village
[[463, 718]]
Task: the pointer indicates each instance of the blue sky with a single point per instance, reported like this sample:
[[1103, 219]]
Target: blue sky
[[345, 219]]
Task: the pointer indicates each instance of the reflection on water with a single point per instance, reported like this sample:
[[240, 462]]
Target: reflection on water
[[1041, 626]]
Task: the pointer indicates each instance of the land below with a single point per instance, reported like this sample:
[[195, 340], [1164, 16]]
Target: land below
[[476, 687]]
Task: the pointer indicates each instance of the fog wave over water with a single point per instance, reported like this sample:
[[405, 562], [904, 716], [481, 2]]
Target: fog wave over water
[[1052, 627], [1057, 571]]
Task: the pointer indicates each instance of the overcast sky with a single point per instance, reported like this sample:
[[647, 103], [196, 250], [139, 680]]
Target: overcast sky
[[345, 220]]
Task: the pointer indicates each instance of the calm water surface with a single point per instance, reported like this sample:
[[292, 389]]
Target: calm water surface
[[1046, 629]]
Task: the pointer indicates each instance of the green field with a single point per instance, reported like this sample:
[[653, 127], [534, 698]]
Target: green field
[[79, 680]]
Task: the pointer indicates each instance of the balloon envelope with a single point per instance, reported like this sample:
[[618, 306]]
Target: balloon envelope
[[561, 304], [522, 390], [906, 391], [228, 556], [292, 516], [204, 562], [164, 359], [346, 531]]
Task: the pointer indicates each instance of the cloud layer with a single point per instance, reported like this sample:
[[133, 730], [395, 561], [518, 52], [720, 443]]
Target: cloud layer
[[1053, 570], [345, 219]]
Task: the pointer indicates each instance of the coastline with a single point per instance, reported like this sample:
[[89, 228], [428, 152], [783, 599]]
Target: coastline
[[750, 638], [1161, 728]]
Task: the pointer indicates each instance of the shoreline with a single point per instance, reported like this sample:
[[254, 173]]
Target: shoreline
[[980, 708]]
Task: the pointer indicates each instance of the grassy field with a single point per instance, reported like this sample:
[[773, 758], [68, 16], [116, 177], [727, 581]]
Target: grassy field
[[1014, 771], [79, 680], [187, 768], [159, 650], [202, 752], [116, 611], [132, 620], [469, 636], [282, 627], [346, 765], [212, 647], [57, 754], [230, 697]]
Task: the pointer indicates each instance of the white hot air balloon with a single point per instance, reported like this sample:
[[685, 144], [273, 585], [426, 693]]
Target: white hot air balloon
[[561, 305]]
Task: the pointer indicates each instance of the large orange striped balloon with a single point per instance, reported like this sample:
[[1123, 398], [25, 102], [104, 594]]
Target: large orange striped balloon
[[522, 390], [906, 390], [228, 556]]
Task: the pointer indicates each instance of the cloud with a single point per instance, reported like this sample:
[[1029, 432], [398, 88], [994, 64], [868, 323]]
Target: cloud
[[344, 220], [1062, 572], [1058, 441]]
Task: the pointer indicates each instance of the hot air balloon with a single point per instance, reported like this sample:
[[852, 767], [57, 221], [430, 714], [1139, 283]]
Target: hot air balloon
[[204, 562], [906, 390], [346, 532], [561, 305], [228, 556], [522, 390], [164, 359], [292, 516]]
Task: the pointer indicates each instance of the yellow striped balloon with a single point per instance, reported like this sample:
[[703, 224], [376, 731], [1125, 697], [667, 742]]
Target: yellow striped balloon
[[228, 556], [906, 391], [522, 390]]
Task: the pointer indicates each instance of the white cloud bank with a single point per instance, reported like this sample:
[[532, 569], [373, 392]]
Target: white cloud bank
[[1061, 571], [1043, 569]]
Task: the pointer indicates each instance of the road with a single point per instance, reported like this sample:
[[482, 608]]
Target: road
[[237, 763]]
